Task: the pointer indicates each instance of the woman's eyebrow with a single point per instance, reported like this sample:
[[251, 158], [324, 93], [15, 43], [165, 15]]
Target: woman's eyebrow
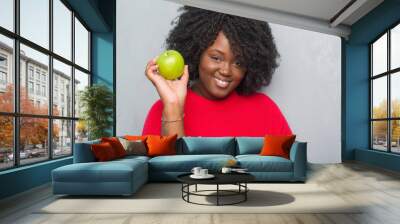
[[215, 49], [223, 53]]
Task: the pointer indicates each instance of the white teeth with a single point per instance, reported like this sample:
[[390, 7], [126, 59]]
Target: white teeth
[[222, 84]]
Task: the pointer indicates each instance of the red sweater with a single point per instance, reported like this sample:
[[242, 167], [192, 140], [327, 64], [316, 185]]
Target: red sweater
[[236, 115]]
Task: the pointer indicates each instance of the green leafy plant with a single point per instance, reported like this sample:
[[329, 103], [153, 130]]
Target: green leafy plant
[[96, 102]]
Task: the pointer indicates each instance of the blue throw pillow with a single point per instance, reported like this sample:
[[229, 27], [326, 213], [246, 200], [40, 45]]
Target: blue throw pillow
[[249, 145], [208, 145]]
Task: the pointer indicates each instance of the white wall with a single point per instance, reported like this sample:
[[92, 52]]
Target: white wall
[[306, 86], [142, 27]]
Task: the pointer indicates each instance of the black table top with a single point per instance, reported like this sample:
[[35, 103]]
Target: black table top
[[220, 178]]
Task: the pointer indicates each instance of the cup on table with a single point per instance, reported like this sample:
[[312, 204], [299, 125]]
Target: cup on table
[[203, 172], [196, 171], [226, 170]]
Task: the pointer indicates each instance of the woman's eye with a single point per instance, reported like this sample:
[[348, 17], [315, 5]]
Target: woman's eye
[[238, 64], [215, 58]]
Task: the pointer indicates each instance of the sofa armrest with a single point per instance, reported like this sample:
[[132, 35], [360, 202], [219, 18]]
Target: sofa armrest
[[83, 152], [298, 155]]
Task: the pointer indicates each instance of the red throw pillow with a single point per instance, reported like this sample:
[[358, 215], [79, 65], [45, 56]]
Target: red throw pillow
[[116, 145], [103, 151], [277, 145], [161, 145]]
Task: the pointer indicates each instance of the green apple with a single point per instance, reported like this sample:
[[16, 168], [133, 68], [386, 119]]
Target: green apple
[[170, 64]]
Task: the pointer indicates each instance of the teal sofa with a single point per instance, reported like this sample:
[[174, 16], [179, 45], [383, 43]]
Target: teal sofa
[[125, 176]]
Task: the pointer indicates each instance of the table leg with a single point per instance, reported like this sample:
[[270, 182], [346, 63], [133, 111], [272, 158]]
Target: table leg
[[245, 193], [196, 188], [217, 194], [188, 190]]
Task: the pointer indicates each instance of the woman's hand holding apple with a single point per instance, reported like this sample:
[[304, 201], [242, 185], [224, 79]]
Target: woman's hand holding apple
[[172, 92]]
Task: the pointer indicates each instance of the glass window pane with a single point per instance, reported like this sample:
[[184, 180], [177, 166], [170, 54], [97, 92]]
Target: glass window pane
[[379, 97], [81, 81], [379, 135], [81, 45], [62, 138], [35, 21], [62, 89], [379, 55], [81, 131], [395, 47], [7, 14], [395, 94], [62, 29], [395, 136], [6, 142], [33, 140], [6, 74], [34, 78]]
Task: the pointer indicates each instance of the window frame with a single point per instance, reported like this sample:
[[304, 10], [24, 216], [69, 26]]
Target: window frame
[[16, 115], [388, 74]]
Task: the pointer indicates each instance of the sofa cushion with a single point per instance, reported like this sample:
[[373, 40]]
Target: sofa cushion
[[185, 163], [207, 145], [111, 171], [132, 158], [257, 163], [249, 145]]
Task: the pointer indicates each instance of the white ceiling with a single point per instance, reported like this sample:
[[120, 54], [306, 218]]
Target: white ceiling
[[316, 15], [320, 9]]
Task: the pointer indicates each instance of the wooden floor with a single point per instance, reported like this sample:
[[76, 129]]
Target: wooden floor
[[378, 188]]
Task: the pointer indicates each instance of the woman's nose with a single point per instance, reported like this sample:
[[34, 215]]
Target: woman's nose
[[225, 69]]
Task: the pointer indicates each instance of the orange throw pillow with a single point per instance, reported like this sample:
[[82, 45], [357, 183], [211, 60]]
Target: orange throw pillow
[[135, 137], [161, 145], [277, 145], [116, 145], [103, 152]]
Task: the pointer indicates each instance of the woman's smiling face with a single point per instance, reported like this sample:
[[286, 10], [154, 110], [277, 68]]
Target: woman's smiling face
[[219, 70]]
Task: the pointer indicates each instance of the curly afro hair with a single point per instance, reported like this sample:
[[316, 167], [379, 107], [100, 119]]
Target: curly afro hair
[[251, 41]]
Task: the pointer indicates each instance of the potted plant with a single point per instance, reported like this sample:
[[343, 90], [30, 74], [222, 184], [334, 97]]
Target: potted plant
[[96, 102]]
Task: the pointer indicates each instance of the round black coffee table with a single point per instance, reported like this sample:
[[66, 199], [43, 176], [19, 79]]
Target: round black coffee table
[[238, 179]]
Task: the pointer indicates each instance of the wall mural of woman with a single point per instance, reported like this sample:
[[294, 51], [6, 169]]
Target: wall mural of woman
[[229, 58]]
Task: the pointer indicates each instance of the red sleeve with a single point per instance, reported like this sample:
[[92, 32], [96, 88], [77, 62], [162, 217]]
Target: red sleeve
[[284, 129], [152, 124], [277, 124]]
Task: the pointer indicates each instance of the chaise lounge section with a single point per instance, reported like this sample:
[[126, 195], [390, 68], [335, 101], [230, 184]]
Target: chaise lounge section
[[88, 177]]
